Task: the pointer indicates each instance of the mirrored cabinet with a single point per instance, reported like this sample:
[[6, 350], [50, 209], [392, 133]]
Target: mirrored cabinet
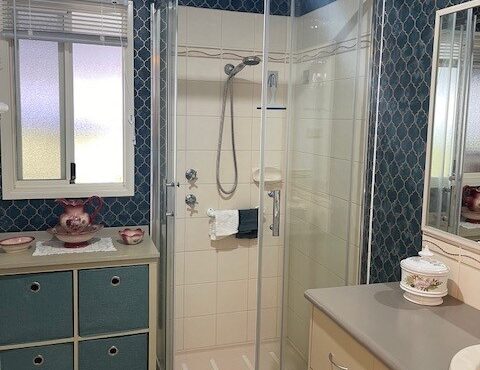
[[452, 191]]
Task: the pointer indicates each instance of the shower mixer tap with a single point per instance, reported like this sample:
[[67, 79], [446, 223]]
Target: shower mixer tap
[[191, 174], [191, 200]]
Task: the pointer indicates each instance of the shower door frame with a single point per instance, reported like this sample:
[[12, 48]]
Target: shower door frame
[[163, 188]]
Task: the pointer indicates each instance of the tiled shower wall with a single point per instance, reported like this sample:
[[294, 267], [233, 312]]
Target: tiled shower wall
[[326, 155], [40, 214], [215, 292]]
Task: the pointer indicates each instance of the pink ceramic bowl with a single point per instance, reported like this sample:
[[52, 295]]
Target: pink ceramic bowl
[[132, 237], [75, 240], [16, 244]]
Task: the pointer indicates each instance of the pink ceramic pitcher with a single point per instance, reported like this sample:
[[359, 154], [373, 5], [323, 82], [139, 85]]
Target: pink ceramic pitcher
[[74, 217]]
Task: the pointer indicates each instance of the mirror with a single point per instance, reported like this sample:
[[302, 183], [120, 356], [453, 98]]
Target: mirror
[[453, 167]]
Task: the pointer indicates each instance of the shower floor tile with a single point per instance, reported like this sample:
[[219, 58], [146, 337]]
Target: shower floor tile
[[237, 358]]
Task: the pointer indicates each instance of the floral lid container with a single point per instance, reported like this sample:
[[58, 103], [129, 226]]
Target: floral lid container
[[424, 279]]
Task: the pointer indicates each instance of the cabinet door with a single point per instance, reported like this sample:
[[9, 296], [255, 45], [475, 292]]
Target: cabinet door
[[113, 299], [331, 347], [56, 357], [121, 353], [36, 307]]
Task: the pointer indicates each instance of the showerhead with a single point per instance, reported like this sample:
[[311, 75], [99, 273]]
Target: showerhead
[[232, 70], [251, 60]]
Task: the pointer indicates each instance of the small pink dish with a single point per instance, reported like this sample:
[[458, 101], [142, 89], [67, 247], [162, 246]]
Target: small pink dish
[[132, 237], [16, 244]]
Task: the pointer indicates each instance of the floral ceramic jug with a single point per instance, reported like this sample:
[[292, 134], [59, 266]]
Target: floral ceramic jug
[[74, 218]]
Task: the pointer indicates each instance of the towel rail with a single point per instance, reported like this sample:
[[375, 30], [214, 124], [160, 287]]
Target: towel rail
[[211, 212]]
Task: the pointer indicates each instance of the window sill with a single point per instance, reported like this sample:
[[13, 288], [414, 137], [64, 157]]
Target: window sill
[[40, 191]]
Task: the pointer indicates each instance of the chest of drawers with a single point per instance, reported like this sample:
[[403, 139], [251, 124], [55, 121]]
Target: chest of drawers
[[84, 311]]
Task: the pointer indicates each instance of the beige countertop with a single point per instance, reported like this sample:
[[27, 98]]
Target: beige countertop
[[24, 261], [405, 336]]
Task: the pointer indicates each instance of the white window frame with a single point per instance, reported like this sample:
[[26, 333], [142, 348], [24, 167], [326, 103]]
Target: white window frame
[[12, 187]]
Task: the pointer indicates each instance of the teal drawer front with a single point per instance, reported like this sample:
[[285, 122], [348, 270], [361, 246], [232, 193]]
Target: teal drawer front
[[122, 353], [113, 299], [36, 307], [56, 357]]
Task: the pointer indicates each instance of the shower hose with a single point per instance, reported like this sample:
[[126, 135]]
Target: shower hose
[[228, 87]]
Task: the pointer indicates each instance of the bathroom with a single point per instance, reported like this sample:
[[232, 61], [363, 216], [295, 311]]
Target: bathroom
[[239, 185]]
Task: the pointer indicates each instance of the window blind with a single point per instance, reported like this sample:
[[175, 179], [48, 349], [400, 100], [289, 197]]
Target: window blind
[[83, 21]]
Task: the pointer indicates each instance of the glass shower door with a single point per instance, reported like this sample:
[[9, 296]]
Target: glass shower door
[[314, 110], [271, 125]]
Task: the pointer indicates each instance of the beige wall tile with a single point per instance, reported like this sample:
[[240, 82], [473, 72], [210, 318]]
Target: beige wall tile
[[179, 234], [239, 200], [200, 299], [204, 27], [196, 234], [232, 296], [204, 69], [231, 327], [179, 268], [203, 161], [233, 264], [182, 25], [200, 95], [178, 334], [200, 267], [468, 285], [199, 332], [244, 167], [251, 324], [451, 261], [232, 22], [207, 197], [179, 301]]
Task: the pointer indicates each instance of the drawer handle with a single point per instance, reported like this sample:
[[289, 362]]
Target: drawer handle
[[38, 360], [35, 287], [113, 351], [115, 280], [332, 361]]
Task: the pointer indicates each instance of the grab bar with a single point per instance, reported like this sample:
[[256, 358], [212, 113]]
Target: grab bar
[[275, 227]]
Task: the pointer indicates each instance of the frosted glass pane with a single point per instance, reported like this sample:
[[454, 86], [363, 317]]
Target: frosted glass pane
[[98, 113], [39, 136]]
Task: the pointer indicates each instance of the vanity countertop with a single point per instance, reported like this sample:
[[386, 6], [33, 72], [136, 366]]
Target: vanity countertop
[[405, 336], [143, 252]]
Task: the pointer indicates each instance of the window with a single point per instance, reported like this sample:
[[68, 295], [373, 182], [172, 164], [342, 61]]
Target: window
[[69, 131]]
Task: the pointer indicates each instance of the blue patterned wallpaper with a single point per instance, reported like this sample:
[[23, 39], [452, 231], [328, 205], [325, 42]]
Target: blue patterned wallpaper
[[305, 6], [402, 130], [277, 7], [39, 214]]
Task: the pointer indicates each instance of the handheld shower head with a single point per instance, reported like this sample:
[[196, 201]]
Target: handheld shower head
[[232, 70], [251, 60]]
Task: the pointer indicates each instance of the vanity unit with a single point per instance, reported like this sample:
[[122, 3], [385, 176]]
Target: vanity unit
[[81, 311], [333, 347], [372, 327]]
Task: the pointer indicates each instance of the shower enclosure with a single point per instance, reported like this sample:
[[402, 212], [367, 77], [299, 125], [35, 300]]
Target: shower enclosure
[[255, 105]]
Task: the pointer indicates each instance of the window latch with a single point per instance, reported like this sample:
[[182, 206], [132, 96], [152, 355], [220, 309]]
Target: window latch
[[73, 173]]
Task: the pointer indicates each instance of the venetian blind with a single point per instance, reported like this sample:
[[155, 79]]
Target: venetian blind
[[83, 21]]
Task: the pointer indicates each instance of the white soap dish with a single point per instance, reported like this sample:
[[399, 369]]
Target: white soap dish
[[272, 175]]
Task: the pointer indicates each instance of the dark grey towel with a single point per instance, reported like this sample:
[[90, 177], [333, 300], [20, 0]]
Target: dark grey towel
[[247, 223]]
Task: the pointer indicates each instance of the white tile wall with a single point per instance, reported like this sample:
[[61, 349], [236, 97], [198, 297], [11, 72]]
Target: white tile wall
[[215, 296]]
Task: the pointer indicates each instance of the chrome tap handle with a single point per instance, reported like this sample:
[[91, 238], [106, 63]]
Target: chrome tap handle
[[191, 200], [191, 175]]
